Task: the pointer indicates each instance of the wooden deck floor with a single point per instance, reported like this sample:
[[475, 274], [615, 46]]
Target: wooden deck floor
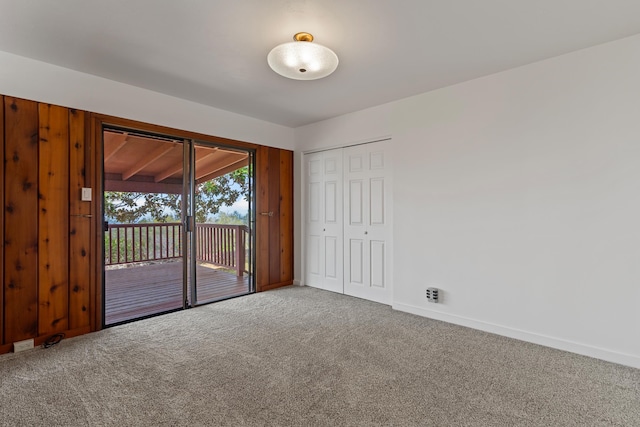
[[138, 291]]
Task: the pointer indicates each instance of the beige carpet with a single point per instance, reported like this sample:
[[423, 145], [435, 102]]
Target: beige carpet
[[304, 357]]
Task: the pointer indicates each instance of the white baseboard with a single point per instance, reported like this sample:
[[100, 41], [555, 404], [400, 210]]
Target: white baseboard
[[297, 283], [560, 344]]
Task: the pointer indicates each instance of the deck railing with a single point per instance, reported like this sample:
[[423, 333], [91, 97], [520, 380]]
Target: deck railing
[[219, 244]]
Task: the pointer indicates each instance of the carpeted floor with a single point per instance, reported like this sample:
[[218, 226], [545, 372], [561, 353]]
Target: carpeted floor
[[304, 357]]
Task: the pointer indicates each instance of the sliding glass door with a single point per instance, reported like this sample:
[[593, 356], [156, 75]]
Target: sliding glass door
[[220, 212], [178, 217]]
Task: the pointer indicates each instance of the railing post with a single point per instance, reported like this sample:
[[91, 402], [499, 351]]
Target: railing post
[[239, 255]]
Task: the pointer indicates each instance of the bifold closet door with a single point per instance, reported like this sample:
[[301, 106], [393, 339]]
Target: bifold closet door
[[324, 233], [367, 222]]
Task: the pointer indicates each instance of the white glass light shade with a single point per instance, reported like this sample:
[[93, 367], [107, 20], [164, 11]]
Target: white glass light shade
[[302, 60]]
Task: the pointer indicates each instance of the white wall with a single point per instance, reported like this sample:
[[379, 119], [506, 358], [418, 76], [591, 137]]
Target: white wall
[[39, 81], [518, 194]]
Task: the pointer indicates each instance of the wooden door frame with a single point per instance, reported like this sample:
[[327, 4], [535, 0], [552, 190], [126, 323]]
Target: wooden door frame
[[97, 124]]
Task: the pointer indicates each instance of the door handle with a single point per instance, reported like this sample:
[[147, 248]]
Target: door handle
[[266, 213]]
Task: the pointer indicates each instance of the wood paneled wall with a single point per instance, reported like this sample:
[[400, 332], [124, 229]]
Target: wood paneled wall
[[81, 222], [45, 256], [274, 179], [51, 279], [3, 207]]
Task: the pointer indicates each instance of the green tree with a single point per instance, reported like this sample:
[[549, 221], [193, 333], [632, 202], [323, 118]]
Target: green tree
[[132, 207], [234, 218]]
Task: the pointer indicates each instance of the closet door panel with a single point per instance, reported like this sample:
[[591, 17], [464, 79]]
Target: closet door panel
[[357, 252], [378, 261], [348, 221], [324, 218], [332, 262], [356, 262], [368, 222], [331, 202], [377, 200], [355, 205], [315, 203], [313, 256], [314, 224], [332, 221]]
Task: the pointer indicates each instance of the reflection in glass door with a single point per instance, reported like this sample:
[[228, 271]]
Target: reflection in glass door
[[164, 197]]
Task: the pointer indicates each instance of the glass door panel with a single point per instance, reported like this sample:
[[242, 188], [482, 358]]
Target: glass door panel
[[222, 213], [178, 221], [143, 233]]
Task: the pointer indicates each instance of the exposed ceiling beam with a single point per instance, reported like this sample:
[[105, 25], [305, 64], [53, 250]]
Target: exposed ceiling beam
[[229, 150], [117, 141], [219, 162], [174, 169], [224, 170], [168, 172], [142, 187], [141, 184], [206, 156], [148, 159]]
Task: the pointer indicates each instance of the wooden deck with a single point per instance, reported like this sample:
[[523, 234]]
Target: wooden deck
[[137, 291]]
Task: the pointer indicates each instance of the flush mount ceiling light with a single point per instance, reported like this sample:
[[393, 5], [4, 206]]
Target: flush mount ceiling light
[[302, 59]]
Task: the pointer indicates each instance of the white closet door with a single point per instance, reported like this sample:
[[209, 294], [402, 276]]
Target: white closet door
[[367, 222], [324, 243], [314, 224]]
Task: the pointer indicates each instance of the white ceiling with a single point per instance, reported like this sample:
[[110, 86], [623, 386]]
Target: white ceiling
[[214, 51]]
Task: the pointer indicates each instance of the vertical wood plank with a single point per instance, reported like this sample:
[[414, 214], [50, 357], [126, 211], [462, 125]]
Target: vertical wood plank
[[78, 163], [2, 161], [286, 215], [53, 225], [262, 221], [274, 221], [21, 220], [79, 225]]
